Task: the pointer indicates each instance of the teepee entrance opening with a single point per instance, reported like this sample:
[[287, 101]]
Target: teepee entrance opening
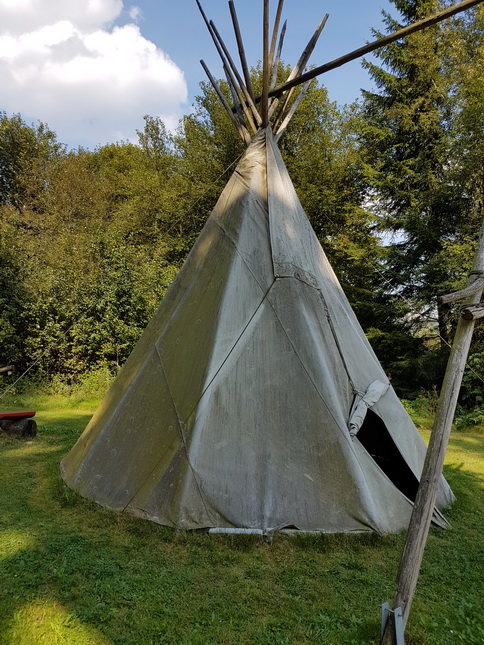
[[377, 441]]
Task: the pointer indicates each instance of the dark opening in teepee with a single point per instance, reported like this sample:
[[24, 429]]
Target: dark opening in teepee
[[375, 438]]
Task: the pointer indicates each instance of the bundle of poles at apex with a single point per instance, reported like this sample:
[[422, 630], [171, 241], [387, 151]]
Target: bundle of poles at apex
[[274, 106], [249, 113]]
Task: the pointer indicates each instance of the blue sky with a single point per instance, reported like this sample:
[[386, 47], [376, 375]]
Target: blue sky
[[92, 68]]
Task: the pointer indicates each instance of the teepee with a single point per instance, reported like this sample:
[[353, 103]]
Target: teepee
[[253, 399]]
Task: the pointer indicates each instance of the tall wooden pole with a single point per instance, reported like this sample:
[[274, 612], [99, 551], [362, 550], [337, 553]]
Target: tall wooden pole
[[275, 65], [376, 44], [275, 31], [429, 482], [298, 69], [265, 68], [240, 45], [228, 62], [242, 130]]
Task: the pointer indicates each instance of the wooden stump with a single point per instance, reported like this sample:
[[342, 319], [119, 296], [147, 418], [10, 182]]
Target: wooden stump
[[21, 428]]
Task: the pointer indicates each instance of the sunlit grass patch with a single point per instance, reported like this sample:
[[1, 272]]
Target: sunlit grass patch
[[13, 541], [46, 621], [467, 449]]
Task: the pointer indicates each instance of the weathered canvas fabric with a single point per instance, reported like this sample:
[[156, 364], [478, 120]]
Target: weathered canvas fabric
[[234, 408]]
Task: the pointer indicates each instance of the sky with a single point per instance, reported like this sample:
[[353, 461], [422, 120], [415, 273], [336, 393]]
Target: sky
[[91, 69]]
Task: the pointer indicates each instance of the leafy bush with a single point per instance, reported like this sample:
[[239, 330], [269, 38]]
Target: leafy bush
[[88, 388], [422, 410], [470, 421]]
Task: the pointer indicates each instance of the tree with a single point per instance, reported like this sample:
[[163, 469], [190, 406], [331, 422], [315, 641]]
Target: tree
[[465, 66], [13, 299], [83, 247], [406, 138], [25, 155]]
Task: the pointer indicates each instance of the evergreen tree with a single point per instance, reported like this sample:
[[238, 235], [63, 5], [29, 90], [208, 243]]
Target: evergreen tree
[[465, 66], [406, 140]]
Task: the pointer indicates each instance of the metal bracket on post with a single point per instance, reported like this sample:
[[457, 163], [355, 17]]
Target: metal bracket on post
[[398, 621]]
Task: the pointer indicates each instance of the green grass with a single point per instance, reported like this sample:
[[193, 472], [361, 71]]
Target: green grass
[[74, 573]]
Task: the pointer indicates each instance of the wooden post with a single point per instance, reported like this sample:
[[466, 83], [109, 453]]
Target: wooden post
[[231, 70], [285, 122], [470, 290], [227, 60], [237, 109], [275, 31], [472, 312], [429, 481]]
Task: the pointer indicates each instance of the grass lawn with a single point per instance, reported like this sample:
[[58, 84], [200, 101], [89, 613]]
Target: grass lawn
[[74, 573]]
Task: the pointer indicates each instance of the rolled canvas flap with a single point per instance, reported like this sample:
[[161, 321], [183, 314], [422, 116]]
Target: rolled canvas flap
[[373, 393]]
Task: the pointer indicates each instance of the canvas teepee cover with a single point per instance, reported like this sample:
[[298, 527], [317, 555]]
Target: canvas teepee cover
[[253, 398]]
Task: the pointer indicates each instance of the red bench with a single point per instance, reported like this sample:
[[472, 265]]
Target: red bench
[[20, 424]]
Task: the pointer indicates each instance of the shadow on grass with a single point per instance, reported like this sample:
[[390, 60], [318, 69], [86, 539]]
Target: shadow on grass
[[469, 491], [96, 577], [469, 442]]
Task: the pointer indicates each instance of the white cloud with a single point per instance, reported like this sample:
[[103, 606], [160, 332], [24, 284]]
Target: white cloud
[[135, 13], [91, 83], [22, 16]]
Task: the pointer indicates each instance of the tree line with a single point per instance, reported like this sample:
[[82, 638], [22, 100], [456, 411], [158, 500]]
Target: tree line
[[393, 186]]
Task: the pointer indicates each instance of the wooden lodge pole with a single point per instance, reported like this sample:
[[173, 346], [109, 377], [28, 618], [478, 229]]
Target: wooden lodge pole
[[296, 71], [275, 32], [234, 75], [240, 45], [277, 59], [265, 68], [222, 50], [429, 482], [376, 44], [240, 128]]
